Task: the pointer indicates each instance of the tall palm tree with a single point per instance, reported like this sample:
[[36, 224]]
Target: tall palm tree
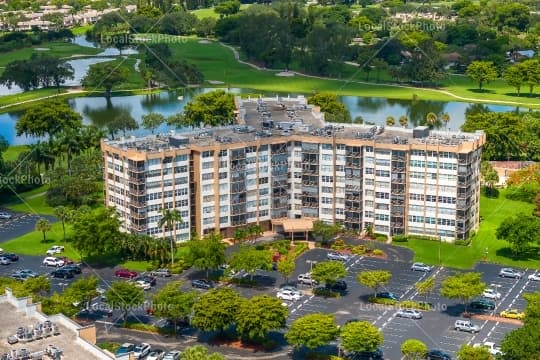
[[403, 121], [390, 121], [41, 154], [431, 119], [43, 225], [63, 214], [168, 221], [445, 117]]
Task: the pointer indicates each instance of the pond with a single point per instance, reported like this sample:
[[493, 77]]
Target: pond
[[97, 110]]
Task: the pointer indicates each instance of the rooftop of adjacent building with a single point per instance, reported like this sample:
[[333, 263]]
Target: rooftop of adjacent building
[[255, 116], [19, 313]]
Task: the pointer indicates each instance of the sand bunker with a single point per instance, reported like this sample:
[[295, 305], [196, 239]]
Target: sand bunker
[[215, 82], [285, 73], [42, 49], [204, 41]]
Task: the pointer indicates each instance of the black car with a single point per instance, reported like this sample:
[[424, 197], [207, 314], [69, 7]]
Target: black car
[[339, 285], [366, 355], [437, 355], [12, 257], [62, 273], [483, 304], [74, 269], [387, 295], [147, 278], [201, 284]]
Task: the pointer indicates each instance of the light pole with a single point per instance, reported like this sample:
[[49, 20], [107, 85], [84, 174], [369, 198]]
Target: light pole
[[311, 262], [440, 241]]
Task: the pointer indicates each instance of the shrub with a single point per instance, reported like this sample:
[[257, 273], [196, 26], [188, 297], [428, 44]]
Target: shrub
[[359, 250], [110, 346], [465, 242], [400, 238], [177, 267], [376, 300], [339, 245], [378, 252], [322, 291], [299, 248], [269, 344], [381, 237], [410, 304]]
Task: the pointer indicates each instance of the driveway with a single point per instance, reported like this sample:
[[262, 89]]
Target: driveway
[[20, 224]]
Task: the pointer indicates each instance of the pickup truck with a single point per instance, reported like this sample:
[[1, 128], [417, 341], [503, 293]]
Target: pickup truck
[[492, 348]]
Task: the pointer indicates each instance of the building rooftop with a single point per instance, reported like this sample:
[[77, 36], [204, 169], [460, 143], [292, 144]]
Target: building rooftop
[[283, 117], [18, 313]]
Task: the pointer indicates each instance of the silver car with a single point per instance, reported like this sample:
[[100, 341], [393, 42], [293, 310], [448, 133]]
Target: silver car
[[4, 260], [5, 215], [409, 313], [510, 273], [337, 257], [418, 266]]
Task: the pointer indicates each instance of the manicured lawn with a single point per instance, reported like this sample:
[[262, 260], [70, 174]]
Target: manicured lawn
[[13, 152], [81, 30], [209, 12], [28, 95], [31, 202], [134, 81], [493, 212]]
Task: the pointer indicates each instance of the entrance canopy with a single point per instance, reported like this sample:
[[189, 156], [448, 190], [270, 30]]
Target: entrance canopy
[[294, 225]]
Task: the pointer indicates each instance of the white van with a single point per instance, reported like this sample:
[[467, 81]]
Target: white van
[[466, 325]]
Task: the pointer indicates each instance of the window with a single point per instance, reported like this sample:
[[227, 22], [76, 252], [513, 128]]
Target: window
[[370, 192], [368, 203], [326, 200], [382, 217], [327, 179], [222, 175], [180, 158], [416, 218], [431, 198], [447, 200], [208, 165], [180, 192], [327, 146], [369, 181], [380, 206], [326, 157], [207, 154], [208, 188], [208, 176], [369, 171], [417, 197], [223, 219], [208, 198], [382, 195], [369, 149], [383, 173], [446, 222], [418, 153], [368, 214], [417, 175], [223, 164], [263, 180], [208, 209], [382, 162]]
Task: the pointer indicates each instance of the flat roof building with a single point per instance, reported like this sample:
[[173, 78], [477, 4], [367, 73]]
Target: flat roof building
[[284, 161]]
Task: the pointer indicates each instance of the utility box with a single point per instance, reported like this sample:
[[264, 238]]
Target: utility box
[[420, 132]]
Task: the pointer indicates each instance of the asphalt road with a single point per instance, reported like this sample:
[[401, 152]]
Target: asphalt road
[[19, 224]]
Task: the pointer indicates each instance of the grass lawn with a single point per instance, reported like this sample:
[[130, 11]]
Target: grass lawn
[[134, 81], [81, 30], [13, 152], [28, 95], [209, 12], [32, 201], [493, 212]]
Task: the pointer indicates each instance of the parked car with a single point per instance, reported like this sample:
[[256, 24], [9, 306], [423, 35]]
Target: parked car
[[52, 261], [62, 273], [492, 348], [387, 295], [56, 249], [466, 325], [172, 355], [306, 279], [483, 304], [161, 273], [147, 278], [201, 284], [27, 272], [143, 284], [12, 339], [12, 257], [126, 348], [491, 294], [4, 260], [534, 277], [125, 273], [337, 286], [513, 314], [336, 256], [75, 269], [291, 288], [67, 260], [20, 277], [366, 355], [418, 266], [510, 273], [5, 215], [141, 350], [437, 355], [288, 295], [409, 314], [155, 354]]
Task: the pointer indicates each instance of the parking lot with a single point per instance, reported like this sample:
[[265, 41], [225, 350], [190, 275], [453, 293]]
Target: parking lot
[[19, 225]]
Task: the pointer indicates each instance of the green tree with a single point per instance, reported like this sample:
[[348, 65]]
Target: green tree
[[360, 336], [240, 234], [286, 267], [536, 210], [390, 121], [333, 109], [249, 259], [324, 231], [463, 286], [199, 352], [531, 69], [123, 295], [207, 253], [177, 120], [312, 331], [50, 120], [467, 352], [328, 271], [482, 72], [413, 349], [43, 225], [425, 287], [445, 117], [519, 231], [168, 221], [374, 279], [515, 77], [522, 343], [106, 75], [152, 121], [63, 214], [97, 232], [171, 303], [229, 7], [211, 109], [258, 316], [82, 291], [216, 310]]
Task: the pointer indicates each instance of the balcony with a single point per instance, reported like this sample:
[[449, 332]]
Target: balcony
[[137, 204], [137, 192], [138, 228], [138, 216], [136, 169], [136, 180]]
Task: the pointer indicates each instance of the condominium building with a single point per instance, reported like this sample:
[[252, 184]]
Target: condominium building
[[282, 161]]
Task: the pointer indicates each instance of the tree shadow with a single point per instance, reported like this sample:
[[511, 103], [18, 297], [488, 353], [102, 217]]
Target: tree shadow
[[481, 91], [532, 253], [454, 310], [523, 95], [47, 241]]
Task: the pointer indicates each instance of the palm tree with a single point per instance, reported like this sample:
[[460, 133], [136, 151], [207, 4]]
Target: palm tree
[[431, 119], [169, 220], [445, 117], [403, 121], [390, 121], [43, 225], [63, 214]]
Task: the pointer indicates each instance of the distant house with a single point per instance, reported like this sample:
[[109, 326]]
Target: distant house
[[506, 168], [519, 55]]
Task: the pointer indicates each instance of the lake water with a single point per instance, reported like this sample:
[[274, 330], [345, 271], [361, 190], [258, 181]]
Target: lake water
[[97, 110]]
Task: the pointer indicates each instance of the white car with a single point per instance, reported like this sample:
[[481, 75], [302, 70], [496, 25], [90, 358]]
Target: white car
[[534, 277], [52, 261], [510, 273], [4, 260], [143, 284], [5, 215], [491, 294], [156, 354], [141, 350], [409, 313], [172, 355], [291, 288], [492, 348], [57, 249], [336, 257], [288, 295]]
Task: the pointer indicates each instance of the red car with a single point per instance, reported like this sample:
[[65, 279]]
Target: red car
[[67, 261], [125, 273]]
